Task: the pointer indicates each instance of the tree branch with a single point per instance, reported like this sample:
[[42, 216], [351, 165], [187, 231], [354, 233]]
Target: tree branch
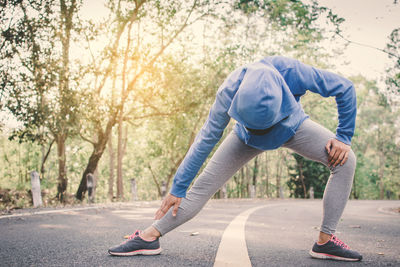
[[369, 46], [46, 156], [159, 53], [114, 56], [156, 114], [155, 180], [86, 139]]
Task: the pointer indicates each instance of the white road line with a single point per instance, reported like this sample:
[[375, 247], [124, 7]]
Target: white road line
[[63, 210], [232, 250], [46, 212]]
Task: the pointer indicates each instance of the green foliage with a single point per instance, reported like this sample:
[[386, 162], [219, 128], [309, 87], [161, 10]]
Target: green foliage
[[375, 143], [32, 70], [286, 13], [393, 72], [259, 28], [314, 174]]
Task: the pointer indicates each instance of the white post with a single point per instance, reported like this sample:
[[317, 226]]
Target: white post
[[36, 193], [224, 192], [252, 191], [311, 192]]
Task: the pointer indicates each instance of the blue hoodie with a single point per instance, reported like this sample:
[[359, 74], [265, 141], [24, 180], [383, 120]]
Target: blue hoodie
[[266, 95]]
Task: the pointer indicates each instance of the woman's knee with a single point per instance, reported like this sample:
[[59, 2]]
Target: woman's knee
[[350, 164], [352, 160]]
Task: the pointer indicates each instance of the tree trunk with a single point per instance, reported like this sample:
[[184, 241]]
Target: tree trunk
[[253, 187], [241, 182], [155, 181], [266, 176], [62, 168], [98, 150], [279, 175], [42, 169], [278, 185], [382, 162], [45, 155], [112, 167], [278, 178], [248, 177], [355, 195], [236, 180], [90, 168], [96, 178], [300, 168], [66, 27], [120, 185]]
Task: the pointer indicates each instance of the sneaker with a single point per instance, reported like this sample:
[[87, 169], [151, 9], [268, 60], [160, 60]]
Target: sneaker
[[334, 249], [136, 245]]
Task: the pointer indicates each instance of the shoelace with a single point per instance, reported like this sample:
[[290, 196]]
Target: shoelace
[[137, 232], [130, 237], [339, 242]]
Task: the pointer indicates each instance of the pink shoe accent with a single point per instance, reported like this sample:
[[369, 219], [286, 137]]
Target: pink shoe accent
[[339, 242]]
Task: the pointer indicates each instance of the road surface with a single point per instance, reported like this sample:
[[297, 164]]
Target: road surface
[[264, 232]]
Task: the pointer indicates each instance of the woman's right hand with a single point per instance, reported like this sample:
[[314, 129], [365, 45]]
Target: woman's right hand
[[168, 202]]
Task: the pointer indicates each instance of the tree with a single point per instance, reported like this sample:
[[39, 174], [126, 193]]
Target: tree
[[36, 75], [138, 60], [393, 73], [256, 28], [306, 174], [376, 141], [65, 113]]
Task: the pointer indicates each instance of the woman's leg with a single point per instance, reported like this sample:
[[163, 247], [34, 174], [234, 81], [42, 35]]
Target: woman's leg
[[230, 156], [310, 141]]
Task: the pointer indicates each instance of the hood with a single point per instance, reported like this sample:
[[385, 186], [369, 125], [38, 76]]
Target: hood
[[263, 98]]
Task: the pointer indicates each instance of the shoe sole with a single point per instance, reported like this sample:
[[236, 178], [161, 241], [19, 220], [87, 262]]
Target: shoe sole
[[146, 252], [325, 256]]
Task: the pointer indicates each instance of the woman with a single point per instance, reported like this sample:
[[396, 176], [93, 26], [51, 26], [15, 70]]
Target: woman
[[263, 97]]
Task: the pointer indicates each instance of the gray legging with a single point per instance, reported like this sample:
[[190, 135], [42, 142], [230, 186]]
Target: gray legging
[[309, 141]]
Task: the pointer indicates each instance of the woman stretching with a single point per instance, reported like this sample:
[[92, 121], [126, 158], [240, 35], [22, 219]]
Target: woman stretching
[[263, 98]]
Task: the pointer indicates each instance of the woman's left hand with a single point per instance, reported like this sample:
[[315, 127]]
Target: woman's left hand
[[338, 152], [168, 202]]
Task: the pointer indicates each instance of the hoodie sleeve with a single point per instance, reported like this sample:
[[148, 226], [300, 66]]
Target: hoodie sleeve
[[328, 84], [209, 135]]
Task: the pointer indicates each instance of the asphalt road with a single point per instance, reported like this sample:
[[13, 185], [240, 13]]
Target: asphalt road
[[280, 233]]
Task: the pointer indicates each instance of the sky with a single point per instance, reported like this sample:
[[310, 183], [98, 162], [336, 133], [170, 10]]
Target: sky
[[369, 22]]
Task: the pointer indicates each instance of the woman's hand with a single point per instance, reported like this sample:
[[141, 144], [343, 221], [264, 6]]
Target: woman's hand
[[338, 152], [168, 202]]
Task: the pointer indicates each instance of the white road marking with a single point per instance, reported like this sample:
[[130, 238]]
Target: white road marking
[[45, 212], [24, 214], [232, 250]]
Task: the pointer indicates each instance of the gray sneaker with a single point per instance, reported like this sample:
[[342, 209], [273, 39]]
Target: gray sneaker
[[136, 245], [334, 249]]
